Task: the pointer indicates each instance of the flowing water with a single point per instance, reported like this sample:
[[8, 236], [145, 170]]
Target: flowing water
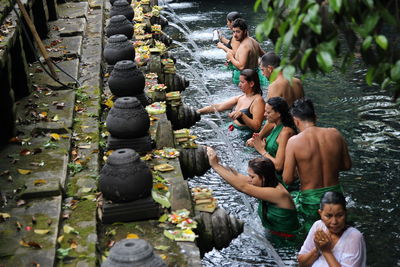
[[366, 116]]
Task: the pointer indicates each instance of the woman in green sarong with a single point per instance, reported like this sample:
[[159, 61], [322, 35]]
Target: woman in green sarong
[[273, 147], [276, 208]]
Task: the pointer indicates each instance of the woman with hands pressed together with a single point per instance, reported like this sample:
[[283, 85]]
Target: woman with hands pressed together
[[330, 241], [276, 208], [248, 107]]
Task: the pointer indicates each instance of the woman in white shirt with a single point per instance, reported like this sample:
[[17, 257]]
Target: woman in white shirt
[[331, 242]]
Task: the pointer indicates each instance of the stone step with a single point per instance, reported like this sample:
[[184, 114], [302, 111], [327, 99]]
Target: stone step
[[41, 78], [20, 245], [73, 10], [64, 47], [46, 110], [67, 27]]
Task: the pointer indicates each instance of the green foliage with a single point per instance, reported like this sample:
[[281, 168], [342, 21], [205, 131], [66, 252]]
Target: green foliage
[[319, 35]]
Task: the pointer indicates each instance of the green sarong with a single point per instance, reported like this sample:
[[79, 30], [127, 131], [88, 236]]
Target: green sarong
[[281, 222], [236, 74], [308, 201]]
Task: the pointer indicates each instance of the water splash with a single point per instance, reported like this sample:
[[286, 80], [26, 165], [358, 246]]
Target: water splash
[[187, 35], [191, 52]]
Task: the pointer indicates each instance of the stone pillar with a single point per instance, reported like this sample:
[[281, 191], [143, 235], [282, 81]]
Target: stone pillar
[[7, 104]]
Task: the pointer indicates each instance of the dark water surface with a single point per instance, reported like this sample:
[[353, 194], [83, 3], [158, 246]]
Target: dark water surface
[[365, 116]]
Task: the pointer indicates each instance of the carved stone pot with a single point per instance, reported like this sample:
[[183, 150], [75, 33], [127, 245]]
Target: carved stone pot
[[118, 48], [119, 25], [133, 252], [128, 118], [125, 177], [141, 145], [181, 83], [126, 79], [122, 7], [113, 1], [194, 161]]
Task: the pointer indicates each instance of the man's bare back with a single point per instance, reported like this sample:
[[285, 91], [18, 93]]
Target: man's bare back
[[290, 92], [319, 154]]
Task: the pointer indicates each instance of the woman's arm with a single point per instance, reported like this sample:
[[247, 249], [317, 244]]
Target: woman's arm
[[220, 106], [309, 253], [309, 258], [240, 181], [220, 45]]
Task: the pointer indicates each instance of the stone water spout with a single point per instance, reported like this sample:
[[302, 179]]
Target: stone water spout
[[182, 116], [216, 229], [193, 161], [133, 252], [118, 24]]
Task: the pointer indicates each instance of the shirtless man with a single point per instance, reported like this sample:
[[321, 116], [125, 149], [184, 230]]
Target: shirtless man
[[280, 87], [318, 154], [247, 54]]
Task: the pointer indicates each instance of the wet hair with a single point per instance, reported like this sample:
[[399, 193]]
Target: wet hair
[[251, 75], [335, 198], [240, 23], [270, 59], [304, 110], [265, 168], [232, 16], [280, 105]]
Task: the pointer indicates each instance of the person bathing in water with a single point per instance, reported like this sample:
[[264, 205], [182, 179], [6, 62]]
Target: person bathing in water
[[316, 155], [275, 205], [248, 108], [247, 54], [229, 45]]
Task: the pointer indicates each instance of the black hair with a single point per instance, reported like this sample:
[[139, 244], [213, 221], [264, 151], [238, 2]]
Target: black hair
[[333, 198], [304, 110], [232, 16], [265, 168], [251, 75], [280, 105], [240, 23], [270, 59]]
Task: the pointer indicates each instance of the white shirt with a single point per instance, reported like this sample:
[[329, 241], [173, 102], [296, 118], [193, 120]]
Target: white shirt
[[349, 251]]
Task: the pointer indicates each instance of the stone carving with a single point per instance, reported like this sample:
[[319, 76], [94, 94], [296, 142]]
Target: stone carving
[[122, 7], [126, 79], [193, 161], [118, 48], [119, 25]]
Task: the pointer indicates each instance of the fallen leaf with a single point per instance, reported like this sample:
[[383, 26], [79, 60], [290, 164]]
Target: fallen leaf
[[68, 229], [84, 146], [60, 239], [21, 202], [39, 182], [60, 105], [34, 221], [6, 172], [28, 228], [19, 225], [23, 171], [41, 231], [162, 248], [4, 216], [25, 152], [55, 136], [132, 236], [163, 256], [110, 243], [43, 114], [15, 139], [73, 244], [55, 118], [86, 189], [35, 264], [49, 222]]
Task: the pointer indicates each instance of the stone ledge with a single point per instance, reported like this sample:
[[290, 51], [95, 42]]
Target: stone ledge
[[56, 119], [65, 47], [47, 214], [73, 10], [67, 27]]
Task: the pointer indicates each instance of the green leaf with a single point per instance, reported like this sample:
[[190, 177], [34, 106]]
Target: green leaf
[[268, 24], [163, 218], [325, 61], [370, 75], [369, 3], [370, 23], [367, 42], [336, 5], [257, 5], [382, 41], [395, 71], [274, 74], [385, 83], [288, 72], [162, 200], [298, 24], [305, 57]]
